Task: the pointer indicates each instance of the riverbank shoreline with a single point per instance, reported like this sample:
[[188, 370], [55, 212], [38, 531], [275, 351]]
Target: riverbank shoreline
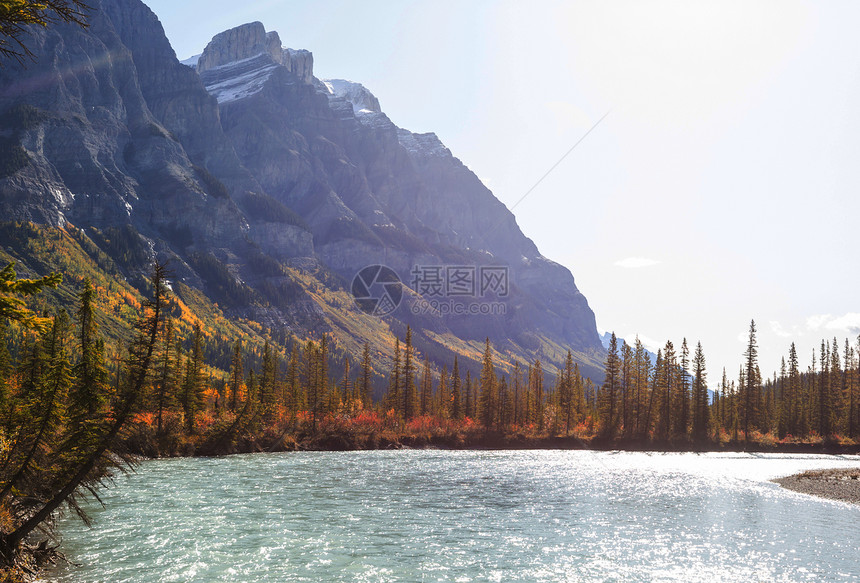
[[835, 484], [345, 441]]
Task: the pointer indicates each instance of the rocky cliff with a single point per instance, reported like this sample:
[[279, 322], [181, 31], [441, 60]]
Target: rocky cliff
[[246, 168]]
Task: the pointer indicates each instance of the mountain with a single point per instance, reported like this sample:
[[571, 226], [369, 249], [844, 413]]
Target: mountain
[[270, 190]]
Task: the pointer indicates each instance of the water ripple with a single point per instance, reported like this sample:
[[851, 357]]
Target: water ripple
[[544, 516]]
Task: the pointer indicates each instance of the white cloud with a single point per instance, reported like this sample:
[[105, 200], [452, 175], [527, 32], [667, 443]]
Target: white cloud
[[817, 321], [777, 329], [636, 262], [849, 323]]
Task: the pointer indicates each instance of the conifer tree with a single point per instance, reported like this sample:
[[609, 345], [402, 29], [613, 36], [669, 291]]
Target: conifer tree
[[750, 387], [192, 386], [442, 401], [395, 401], [608, 398], [86, 468], [537, 391], [13, 306], [564, 395], [700, 395], [408, 392], [505, 407], [682, 394], [651, 421], [346, 384], [456, 397], [366, 378], [517, 394], [426, 389], [89, 397], [312, 381], [487, 399], [793, 400], [268, 380], [627, 388], [642, 366], [5, 377], [319, 403], [824, 392], [237, 377], [167, 375], [469, 400], [836, 396], [295, 402], [44, 413]]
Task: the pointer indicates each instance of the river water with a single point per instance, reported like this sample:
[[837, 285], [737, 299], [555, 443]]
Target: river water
[[426, 515]]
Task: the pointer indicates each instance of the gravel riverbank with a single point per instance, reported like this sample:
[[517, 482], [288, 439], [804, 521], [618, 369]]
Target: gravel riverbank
[[838, 484]]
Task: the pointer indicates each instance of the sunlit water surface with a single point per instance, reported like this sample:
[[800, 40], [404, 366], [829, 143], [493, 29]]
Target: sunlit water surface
[[466, 516]]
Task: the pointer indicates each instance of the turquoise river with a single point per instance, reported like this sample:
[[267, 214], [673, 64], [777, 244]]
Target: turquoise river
[[430, 515]]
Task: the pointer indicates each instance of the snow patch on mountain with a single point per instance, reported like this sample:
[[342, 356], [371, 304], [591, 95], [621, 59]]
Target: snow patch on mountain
[[240, 86], [362, 100], [191, 61]]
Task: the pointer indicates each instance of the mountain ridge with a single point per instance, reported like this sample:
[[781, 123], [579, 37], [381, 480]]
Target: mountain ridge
[[246, 168]]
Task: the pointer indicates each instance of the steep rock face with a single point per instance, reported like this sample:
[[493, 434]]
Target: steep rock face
[[93, 139], [174, 94], [246, 163], [375, 193], [115, 131]]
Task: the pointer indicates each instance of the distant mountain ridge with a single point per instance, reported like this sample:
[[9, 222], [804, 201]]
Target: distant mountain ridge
[[270, 189]]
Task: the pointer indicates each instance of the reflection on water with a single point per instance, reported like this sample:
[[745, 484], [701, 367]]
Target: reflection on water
[[467, 516]]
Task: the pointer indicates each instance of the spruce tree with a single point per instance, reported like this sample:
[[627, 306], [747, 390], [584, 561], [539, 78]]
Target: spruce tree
[[426, 389], [395, 401], [44, 415], [268, 381], [537, 392], [608, 398], [5, 377], [237, 377], [469, 400], [167, 375], [700, 395], [682, 394], [750, 387], [366, 378], [627, 388], [408, 392], [312, 381], [89, 398], [346, 385], [487, 399], [294, 388], [456, 397], [192, 386], [441, 402]]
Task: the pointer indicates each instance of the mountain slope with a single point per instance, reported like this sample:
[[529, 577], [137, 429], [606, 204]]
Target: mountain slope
[[270, 190]]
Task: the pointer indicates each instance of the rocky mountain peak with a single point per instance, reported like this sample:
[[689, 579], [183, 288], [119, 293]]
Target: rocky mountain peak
[[237, 44], [357, 94], [250, 51], [281, 171]]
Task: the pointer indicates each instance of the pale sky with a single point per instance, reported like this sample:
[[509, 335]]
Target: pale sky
[[721, 187]]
